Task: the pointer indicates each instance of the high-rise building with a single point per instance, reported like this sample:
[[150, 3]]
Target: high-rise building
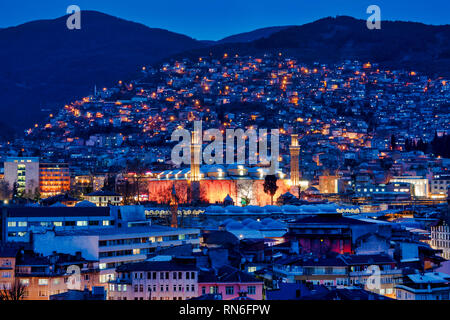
[[54, 178], [24, 171]]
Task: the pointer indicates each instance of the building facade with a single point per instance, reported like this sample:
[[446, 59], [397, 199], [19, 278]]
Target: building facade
[[440, 184], [113, 247], [104, 198], [424, 286], [22, 221], [230, 283], [24, 172], [440, 239], [54, 178], [155, 280]]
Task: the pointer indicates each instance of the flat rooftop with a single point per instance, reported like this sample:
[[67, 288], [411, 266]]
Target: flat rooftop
[[128, 231]]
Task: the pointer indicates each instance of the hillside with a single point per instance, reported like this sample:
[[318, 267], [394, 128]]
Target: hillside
[[44, 65], [252, 35]]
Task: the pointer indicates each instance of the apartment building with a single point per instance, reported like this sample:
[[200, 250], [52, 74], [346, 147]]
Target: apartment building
[[440, 238], [230, 283], [7, 267], [22, 221], [176, 279], [424, 286], [54, 179], [104, 198], [24, 172], [54, 274], [440, 184], [113, 247]]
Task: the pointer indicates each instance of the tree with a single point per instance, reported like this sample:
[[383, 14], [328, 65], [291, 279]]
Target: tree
[[109, 183], [37, 194], [5, 192], [15, 293], [138, 168], [126, 192], [15, 193], [270, 186], [245, 190]]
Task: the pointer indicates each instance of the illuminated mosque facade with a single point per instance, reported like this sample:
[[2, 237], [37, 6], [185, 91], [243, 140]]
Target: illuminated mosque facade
[[216, 184]]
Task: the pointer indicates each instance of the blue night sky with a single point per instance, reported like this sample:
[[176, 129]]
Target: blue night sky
[[215, 19]]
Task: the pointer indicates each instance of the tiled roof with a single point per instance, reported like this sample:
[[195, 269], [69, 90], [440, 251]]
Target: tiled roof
[[336, 219], [355, 259], [226, 274]]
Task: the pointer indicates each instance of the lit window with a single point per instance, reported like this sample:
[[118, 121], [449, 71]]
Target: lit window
[[251, 289]]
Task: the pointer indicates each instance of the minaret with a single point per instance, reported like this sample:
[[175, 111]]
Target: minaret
[[195, 156], [294, 149], [194, 178], [173, 208]]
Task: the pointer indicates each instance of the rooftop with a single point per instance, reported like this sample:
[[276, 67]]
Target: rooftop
[[33, 212]]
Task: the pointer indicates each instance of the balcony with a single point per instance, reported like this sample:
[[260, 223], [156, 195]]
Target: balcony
[[366, 273]]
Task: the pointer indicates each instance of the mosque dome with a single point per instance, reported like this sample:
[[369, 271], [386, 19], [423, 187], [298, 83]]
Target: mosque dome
[[266, 221], [235, 225], [85, 203], [247, 221]]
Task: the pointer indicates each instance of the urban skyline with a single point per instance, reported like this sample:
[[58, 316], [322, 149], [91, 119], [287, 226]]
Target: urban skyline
[[306, 163]]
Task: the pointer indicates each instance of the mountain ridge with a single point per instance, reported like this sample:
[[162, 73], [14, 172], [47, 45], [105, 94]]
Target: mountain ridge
[[45, 65], [398, 44]]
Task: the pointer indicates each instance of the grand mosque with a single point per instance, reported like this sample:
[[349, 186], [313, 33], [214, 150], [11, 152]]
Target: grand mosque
[[237, 183]]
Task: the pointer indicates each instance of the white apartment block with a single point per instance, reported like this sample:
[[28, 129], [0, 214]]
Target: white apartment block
[[154, 280], [24, 171], [440, 239]]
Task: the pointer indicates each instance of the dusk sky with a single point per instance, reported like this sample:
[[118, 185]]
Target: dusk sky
[[214, 19]]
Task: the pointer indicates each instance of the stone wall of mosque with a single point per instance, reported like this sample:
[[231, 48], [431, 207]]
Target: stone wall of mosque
[[215, 191]]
